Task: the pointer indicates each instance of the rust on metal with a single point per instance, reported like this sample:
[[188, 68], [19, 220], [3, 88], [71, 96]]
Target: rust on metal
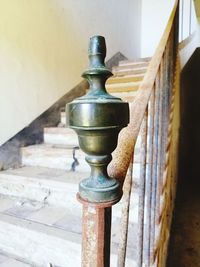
[[141, 206], [125, 217], [127, 138], [149, 179], [96, 233]]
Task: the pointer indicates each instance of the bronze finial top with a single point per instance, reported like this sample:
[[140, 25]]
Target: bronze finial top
[[97, 46], [97, 51], [97, 73], [98, 118]]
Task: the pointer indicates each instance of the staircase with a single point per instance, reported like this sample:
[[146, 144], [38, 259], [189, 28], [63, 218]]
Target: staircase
[[40, 218]]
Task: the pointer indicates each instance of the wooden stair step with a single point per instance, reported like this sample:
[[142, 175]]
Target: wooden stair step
[[8, 260], [121, 68], [122, 72], [62, 136], [144, 59], [125, 79], [126, 96], [134, 65], [53, 156], [43, 235], [55, 186], [123, 87]]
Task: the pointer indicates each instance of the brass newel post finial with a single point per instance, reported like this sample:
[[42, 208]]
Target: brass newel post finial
[[98, 118]]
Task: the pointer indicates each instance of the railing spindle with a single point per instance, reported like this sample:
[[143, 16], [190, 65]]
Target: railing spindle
[[141, 205]]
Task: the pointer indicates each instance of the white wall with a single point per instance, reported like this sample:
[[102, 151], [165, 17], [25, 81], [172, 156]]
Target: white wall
[[188, 50], [155, 14], [194, 22], [43, 50]]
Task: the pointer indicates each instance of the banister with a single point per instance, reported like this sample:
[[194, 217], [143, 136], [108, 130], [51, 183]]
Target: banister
[[158, 78], [97, 118], [127, 138], [97, 125]]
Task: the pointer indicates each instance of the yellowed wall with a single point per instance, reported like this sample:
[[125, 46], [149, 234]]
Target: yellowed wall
[[155, 14], [197, 8], [43, 50]]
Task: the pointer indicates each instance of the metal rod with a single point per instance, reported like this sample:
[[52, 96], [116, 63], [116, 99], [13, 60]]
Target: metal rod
[[159, 147], [148, 194], [182, 15], [96, 233], [154, 169], [190, 18], [125, 217], [141, 208]]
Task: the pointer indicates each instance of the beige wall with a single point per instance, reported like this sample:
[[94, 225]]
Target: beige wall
[[197, 8], [188, 50], [43, 50], [189, 43], [155, 14]]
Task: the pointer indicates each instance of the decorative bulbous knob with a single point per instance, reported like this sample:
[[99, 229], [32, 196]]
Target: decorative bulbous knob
[[97, 118]]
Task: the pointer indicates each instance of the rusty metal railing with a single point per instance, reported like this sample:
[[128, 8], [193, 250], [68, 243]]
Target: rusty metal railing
[[154, 118], [98, 118]]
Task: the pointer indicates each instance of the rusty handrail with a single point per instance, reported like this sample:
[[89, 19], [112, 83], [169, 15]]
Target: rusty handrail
[[151, 106], [128, 136]]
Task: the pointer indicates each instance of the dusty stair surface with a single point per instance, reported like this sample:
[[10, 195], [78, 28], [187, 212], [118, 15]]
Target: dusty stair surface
[[40, 218]]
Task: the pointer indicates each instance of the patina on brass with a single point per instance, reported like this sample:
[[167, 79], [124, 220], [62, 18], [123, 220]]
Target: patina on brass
[[97, 118]]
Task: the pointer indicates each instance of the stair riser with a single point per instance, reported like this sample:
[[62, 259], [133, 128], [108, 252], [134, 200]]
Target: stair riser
[[61, 139], [125, 79], [58, 159], [62, 160], [51, 192], [128, 72], [40, 245], [112, 88], [133, 65], [137, 60], [60, 195]]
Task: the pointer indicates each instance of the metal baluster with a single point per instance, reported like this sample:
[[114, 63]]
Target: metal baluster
[[125, 217], [147, 232], [154, 169], [160, 146], [141, 206]]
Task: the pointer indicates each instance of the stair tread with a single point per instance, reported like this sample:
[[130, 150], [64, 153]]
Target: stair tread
[[126, 68], [39, 242], [44, 174], [44, 228], [145, 59], [133, 65], [60, 135], [123, 87], [53, 156], [11, 261], [56, 130], [37, 213], [130, 71], [125, 78], [49, 147], [130, 84]]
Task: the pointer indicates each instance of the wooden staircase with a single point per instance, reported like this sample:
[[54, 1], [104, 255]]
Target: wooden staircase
[[40, 218]]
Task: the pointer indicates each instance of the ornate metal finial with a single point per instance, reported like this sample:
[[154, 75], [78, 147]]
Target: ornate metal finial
[[98, 118]]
